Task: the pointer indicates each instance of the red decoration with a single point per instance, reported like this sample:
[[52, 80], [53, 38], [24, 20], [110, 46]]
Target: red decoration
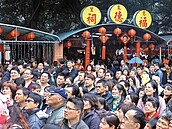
[[124, 38], [31, 36], [117, 31], [86, 34], [1, 31], [103, 52], [152, 46], [68, 44], [147, 36], [102, 30], [14, 33], [103, 38], [132, 32]]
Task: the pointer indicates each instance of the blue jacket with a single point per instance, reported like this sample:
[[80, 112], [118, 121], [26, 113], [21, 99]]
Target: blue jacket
[[36, 119], [92, 119]]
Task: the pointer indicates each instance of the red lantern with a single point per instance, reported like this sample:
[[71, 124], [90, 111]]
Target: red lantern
[[31, 36], [1, 31], [102, 30], [132, 32], [152, 46], [68, 44], [147, 36], [117, 31], [14, 33], [86, 34]]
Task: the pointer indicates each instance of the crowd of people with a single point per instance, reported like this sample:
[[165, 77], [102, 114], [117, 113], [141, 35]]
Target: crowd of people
[[66, 95]]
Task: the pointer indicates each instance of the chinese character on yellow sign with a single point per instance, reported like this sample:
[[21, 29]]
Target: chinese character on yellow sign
[[91, 15], [117, 13], [143, 19]]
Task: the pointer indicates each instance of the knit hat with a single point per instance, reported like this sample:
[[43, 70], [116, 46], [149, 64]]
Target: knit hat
[[57, 90]]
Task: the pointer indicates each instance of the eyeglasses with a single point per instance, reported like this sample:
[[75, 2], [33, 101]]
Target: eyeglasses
[[68, 108], [29, 100]]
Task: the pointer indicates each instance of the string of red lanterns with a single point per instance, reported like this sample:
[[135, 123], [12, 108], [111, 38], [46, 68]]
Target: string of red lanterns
[[117, 31], [147, 36], [1, 31]]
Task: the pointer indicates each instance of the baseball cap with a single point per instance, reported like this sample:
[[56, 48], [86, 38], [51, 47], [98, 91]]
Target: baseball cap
[[57, 90]]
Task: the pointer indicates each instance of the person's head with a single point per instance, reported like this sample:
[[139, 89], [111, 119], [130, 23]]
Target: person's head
[[151, 105], [73, 109], [133, 72], [109, 121], [45, 77], [134, 119], [164, 120], [9, 67], [151, 68], [125, 72], [9, 88], [89, 80], [14, 73], [90, 102], [122, 62], [151, 124], [20, 82], [21, 95], [139, 70], [118, 92], [28, 75], [156, 65], [60, 79], [131, 98], [97, 67], [72, 90], [168, 90], [70, 64], [125, 84], [140, 92], [81, 76], [101, 73], [109, 75], [132, 81], [118, 74], [21, 68], [16, 118], [33, 101], [151, 89], [89, 67], [56, 96], [101, 86], [69, 80], [40, 66], [122, 109], [36, 88]]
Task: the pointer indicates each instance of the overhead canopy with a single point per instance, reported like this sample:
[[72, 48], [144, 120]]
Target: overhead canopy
[[110, 28], [41, 36]]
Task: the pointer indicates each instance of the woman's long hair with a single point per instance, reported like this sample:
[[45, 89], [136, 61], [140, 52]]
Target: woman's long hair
[[16, 117]]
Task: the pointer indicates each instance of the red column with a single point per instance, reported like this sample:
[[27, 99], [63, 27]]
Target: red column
[[138, 49], [103, 52], [1, 47], [125, 53], [87, 53]]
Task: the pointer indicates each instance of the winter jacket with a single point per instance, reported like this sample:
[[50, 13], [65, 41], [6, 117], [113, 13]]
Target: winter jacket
[[92, 119], [36, 119]]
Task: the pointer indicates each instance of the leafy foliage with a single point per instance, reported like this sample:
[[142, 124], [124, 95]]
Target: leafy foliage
[[58, 16]]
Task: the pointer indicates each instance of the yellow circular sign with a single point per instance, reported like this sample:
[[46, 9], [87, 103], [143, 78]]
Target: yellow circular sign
[[117, 13], [143, 19], [91, 15]]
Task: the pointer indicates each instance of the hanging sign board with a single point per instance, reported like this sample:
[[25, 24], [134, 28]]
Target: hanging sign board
[[143, 19], [117, 13], [90, 15]]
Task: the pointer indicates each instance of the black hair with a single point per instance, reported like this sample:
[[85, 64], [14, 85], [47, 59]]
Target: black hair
[[78, 102], [16, 69], [25, 91], [19, 81], [36, 86], [134, 98], [111, 119], [154, 101], [139, 117], [93, 100], [36, 97], [152, 122], [155, 94], [70, 78], [75, 89], [111, 73], [49, 76], [125, 107], [166, 115], [121, 89], [102, 81]]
